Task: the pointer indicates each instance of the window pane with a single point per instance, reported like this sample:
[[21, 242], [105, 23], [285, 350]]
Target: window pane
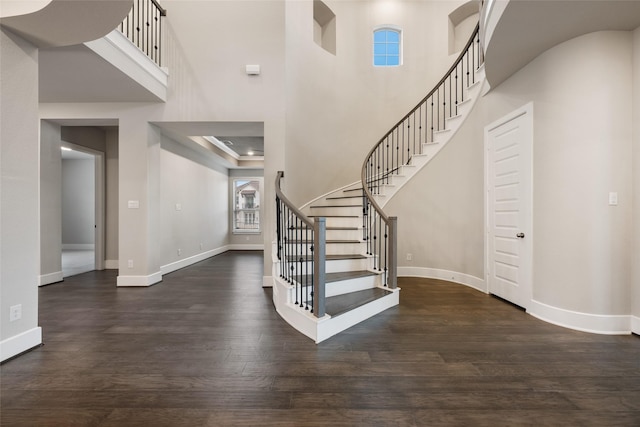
[[380, 36], [393, 37], [393, 60], [393, 49], [379, 60], [379, 49]]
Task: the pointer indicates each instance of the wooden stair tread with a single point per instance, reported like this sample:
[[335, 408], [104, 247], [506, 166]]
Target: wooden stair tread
[[343, 197], [336, 206], [334, 216], [337, 257], [340, 304], [328, 241]]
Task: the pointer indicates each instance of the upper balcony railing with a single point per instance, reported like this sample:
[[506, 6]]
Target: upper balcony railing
[[143, 26]]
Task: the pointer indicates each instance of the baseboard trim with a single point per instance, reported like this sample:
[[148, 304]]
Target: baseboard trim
[[635, 325], [246, 247], [20, 343], [78, 246], [607, 324], [143, 281], [185, 262], [450, 276], [267, 281], [47, 279], [111, 264]]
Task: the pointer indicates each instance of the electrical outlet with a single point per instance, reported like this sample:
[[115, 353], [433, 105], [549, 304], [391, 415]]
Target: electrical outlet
[[201, 246], [409, 257], [179, 251], [15, 312], [130, 263]]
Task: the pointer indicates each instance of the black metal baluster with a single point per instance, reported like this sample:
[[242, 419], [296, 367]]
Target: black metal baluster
[[386, 244]]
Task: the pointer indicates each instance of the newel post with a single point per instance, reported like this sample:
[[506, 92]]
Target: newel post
[[392, 280], [319, 256]]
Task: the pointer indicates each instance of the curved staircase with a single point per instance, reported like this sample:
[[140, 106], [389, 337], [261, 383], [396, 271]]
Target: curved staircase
[[335, 258]]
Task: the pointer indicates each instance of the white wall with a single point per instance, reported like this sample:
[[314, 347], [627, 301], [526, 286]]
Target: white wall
[[111, 198], [78, 203], [339, 106], [19, 194], [582, 150], [50, 203], [636, 182], [194, 207]]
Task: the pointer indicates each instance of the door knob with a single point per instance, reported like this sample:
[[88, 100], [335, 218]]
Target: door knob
[[520, 235]]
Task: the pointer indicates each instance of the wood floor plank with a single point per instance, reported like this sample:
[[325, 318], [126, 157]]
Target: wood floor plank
[[205, 347]]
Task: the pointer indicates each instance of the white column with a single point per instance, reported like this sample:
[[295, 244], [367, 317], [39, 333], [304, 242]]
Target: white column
[[19, 197], [139, 189]]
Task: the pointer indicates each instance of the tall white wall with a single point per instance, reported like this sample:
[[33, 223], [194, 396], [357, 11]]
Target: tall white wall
[[78, 203], [19, 194], [50, 203], [111, 198], [582, 150], [194, 210], [636, 182], [339, 106]]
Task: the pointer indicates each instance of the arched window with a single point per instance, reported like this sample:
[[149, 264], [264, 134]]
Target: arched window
[[387, 47]]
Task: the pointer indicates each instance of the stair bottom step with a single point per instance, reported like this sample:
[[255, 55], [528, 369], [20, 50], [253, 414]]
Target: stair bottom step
[[335, 306]]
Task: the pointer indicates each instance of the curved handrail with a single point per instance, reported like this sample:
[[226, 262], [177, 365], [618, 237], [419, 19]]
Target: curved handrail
[[301, 253], [385, 158], [297, 212]]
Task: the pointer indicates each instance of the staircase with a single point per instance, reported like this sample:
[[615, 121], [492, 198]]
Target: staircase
[[335, 259]]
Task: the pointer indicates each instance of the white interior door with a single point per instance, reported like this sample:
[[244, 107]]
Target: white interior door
[[509, 231]]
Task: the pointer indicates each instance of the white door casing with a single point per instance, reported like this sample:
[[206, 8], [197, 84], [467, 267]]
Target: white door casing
[[508, 180]]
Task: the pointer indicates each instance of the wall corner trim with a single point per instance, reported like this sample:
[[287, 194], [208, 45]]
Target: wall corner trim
[[450, 276], [47, 279], [605, 324], [149, 280], [20, 343]]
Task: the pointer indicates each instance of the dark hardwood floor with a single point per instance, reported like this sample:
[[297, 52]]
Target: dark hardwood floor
[[206, 348]]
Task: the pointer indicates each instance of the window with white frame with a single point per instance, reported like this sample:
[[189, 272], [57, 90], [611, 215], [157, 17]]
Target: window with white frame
[[246, 206], [387, 47]]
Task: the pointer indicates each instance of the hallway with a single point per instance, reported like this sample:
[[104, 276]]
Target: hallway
[[205, 347]]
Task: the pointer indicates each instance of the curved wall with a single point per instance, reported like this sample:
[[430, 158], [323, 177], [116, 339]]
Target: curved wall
[[582, 97]]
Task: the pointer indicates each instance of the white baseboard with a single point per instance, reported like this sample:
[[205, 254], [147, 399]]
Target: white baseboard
[[246, 247], [267, 281], [450, 276], [78, 246], [20, 343], [635, 324], [149, 280], [185, 262], [594, 323], [47, 279], [111, 264]]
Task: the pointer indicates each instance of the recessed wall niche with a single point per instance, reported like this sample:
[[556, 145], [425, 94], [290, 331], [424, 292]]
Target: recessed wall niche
[[462, 22], [324, 26]]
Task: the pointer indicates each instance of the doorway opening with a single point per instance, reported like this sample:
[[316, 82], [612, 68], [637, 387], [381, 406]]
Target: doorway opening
[[82, 178]]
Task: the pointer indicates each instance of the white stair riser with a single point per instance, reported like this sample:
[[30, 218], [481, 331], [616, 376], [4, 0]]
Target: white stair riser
[[339, 202], [332, 266], [342, 210], [343, 222], [333, 289], [344, 234]]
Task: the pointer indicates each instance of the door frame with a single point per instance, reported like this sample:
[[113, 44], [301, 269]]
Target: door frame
[[99, 216], [525, 279]]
